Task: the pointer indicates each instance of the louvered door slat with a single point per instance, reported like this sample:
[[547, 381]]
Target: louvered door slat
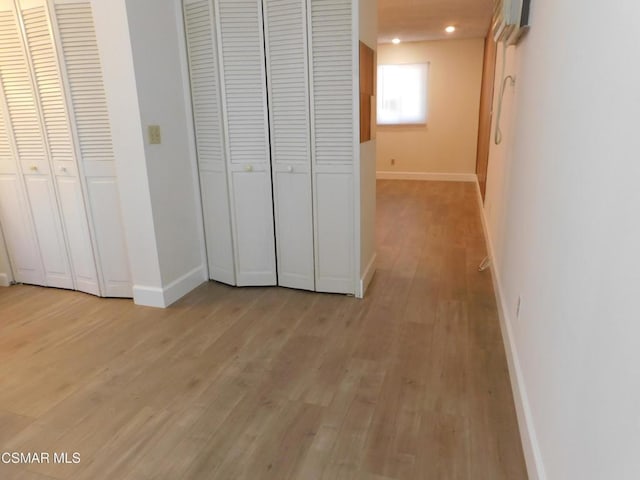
[[244, 81], [332, 74], [45, 67], [287, 74], [20, 99], [84, 73], [203, 70], [241, 54]]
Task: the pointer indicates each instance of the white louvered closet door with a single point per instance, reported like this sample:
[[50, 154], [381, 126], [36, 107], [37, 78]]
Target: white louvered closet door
[[331, 47], [59, 143], [241, 56], [26, 125], [207, 114], [288, 87], [15, 216], [91, 133]]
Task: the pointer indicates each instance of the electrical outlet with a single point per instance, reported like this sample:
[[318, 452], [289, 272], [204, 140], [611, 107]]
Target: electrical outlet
[[154, 135], [518, 305], [393, 161]]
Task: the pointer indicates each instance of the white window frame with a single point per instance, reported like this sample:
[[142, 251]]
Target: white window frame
[[403, 94]]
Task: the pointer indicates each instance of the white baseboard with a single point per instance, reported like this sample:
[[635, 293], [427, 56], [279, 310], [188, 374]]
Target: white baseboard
[[148, 296], [163, 297], [530, 446], [366, 278], [435, 176], [4, 280]]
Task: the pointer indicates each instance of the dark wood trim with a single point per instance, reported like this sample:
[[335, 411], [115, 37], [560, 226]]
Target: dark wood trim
[[486, 107]]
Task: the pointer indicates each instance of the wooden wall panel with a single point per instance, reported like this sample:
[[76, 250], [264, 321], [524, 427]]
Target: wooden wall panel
[[486, 103], [367, 69]]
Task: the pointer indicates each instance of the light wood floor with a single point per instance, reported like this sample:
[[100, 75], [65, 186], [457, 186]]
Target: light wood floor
[[270, 383]]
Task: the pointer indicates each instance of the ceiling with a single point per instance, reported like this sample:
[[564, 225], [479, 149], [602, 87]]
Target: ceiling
[[417, 20]]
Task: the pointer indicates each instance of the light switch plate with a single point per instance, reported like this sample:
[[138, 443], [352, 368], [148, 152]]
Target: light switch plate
[[154, 135]]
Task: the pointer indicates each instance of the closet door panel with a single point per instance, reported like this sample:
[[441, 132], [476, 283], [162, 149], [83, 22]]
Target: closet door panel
[[217, 222], [15, 217], [91, 132], [334, 216], [288, 88], [57, 131], [331, 47], [294, 227], [109, 232], [25, 123], [18, 231], [72, 203], [241, 54], [254, 223], [207, 115], [52, 245]]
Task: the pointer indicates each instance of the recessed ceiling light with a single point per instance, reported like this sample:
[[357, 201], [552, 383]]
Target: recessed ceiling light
[[450, 29], [395, 41]]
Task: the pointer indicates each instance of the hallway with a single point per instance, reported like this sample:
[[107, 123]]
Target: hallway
[[270, 383]]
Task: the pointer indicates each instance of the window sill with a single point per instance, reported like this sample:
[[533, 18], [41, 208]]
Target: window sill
[[396, 126]]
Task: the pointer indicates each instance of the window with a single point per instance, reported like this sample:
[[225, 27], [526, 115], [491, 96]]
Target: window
[[402, 94]]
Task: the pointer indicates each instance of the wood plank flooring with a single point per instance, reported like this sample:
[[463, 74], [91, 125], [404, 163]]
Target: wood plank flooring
[[270, 383]]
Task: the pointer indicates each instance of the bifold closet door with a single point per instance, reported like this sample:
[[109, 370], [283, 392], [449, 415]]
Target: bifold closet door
[[83, 87], [200, 31], [15, 217], [244, 100], [56, 129], [285, 31], [58, 140], [25, 123], [332, 47]]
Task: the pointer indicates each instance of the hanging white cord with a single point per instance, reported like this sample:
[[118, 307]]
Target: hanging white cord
[[498, 135]]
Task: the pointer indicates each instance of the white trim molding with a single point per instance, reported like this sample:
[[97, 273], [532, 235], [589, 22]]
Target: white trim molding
[[530, 445], [4, 280], [193, 155], [163, 297], [433, 176], [367, 277]]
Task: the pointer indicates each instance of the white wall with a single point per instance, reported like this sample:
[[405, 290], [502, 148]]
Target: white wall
[[496, 201], [563, 216], [159, 56], [368, 33], [447, 144], [139, 43], [112, 30], [6, 276]]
